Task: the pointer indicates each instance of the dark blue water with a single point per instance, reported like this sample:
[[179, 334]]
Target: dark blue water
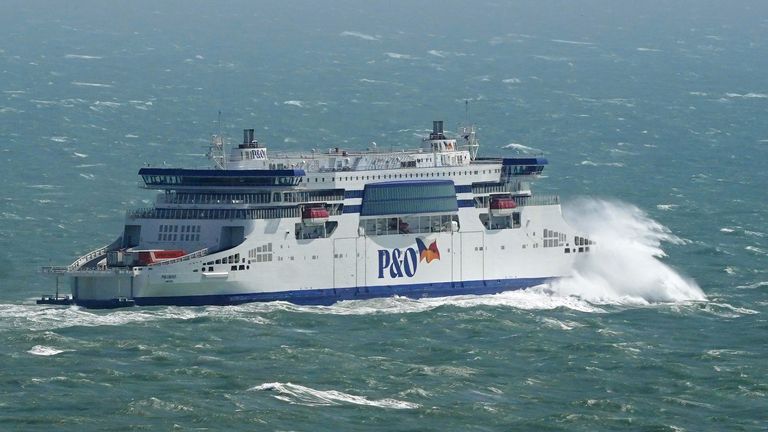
[[653, 117]]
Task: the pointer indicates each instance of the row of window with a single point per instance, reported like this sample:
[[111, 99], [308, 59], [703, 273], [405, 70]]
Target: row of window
[[323, 230], [407, 175], [170, 180], [491, 222], [258, 213], [261, 253], [177, 237], [554, 239], [175, 228], [409, 225], [253, 198]]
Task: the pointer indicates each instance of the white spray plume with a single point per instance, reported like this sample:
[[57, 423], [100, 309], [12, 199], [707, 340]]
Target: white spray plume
[[625, 266]]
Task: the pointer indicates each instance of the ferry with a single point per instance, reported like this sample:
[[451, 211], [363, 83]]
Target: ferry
[[318, 227]]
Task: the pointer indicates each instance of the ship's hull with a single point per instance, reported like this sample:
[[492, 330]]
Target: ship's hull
[[274, 264], [324, 296]]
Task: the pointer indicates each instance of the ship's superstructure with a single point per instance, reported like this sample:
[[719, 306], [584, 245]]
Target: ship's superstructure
[[323, 226]]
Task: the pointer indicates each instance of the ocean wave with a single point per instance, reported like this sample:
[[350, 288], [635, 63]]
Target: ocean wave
[[522, 148], [749, 95], [394, 55], [571, 42], [609, 164], [624, 267], [90, 84], [82, 57], [301, 395], [33, 317], [42, 350], [359, 35], [754, 285]]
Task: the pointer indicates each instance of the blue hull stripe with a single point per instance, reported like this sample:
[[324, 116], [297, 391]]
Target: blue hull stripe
[[329, 296]]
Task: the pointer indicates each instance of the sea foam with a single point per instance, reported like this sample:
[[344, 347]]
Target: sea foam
[[300, 395], [625, 266]]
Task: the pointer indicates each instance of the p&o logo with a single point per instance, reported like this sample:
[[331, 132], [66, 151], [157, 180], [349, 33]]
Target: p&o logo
[[404, 262]]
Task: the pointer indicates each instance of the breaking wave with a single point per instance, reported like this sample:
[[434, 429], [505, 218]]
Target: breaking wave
[[300, 395], [625, 267]]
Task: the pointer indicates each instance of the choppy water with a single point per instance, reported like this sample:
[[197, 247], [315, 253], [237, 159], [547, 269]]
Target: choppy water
[[653, 117]]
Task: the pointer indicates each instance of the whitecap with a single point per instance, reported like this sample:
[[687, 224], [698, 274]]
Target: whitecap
[[89, 84], [754, 285], [666, 207], [42, 350], [552, 58], [727, 230], [756, 250], [511, 81], [609, 164], [437, 53], [82, 57], [725, 310], [296, 103], [371, 81], [641, 49], [80, 155], [301, 395], [571, 42], [359, 35], [59, 139], [522, 148], [399, 56], [108, 104], [747, 95]]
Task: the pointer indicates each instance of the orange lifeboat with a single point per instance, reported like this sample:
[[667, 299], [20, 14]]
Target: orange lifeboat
[[154, 256], [502, 206], [314, 215]]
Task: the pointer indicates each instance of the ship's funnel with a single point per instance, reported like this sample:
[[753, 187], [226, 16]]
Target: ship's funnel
[[437, 130]]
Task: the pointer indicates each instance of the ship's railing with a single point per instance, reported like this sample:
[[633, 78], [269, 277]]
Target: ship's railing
[[521, 201], [102, 251], [486, 188], [196, 254], [537, 200], [197, 213], [90, 256]]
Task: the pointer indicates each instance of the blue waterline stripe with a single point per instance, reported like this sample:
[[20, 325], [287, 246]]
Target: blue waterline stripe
[[328, 296]]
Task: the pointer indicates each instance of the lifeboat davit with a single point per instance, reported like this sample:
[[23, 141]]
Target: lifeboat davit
[[314, 215], [502, 206]]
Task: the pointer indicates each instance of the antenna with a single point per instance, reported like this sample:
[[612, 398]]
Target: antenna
[[466, 111]]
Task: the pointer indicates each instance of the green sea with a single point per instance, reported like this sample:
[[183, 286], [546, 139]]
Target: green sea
[[653, 116]]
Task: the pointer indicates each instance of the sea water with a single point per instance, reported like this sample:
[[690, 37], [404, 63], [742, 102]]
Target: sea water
[[653, 117]]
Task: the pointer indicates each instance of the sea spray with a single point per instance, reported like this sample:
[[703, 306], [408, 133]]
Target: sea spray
[[625, 266]]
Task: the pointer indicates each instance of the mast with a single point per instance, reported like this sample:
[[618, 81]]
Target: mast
[[216, 152], [468, 132]]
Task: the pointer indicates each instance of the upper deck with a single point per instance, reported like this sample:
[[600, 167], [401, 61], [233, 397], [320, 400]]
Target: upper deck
[[249, 165]]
